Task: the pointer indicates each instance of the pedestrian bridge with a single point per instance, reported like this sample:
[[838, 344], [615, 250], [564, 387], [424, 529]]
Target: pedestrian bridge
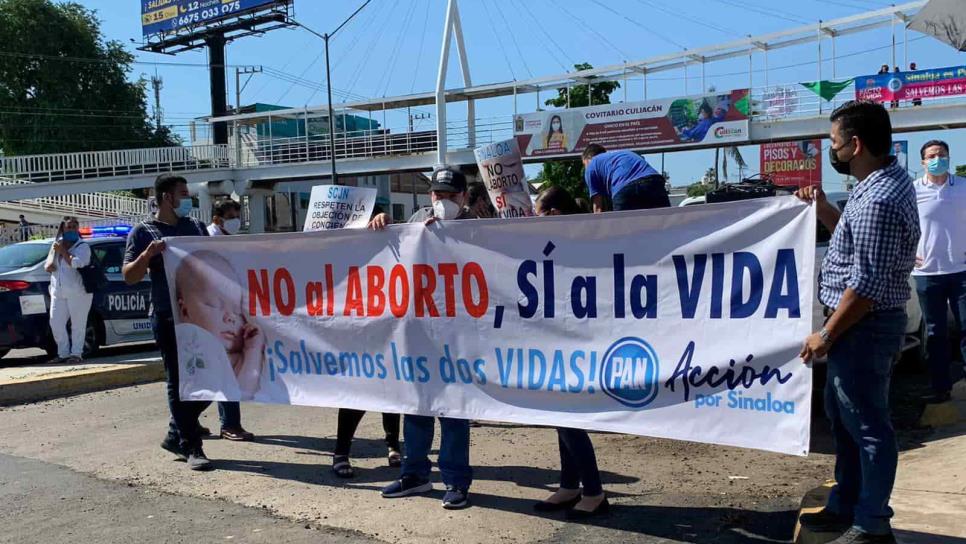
[[256, 157], [252, 163]]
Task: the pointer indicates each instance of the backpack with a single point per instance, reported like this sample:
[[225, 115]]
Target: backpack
[[93, 275]]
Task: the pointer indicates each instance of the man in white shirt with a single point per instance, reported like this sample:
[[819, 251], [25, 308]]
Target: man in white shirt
[[227, 218], [940, 272]]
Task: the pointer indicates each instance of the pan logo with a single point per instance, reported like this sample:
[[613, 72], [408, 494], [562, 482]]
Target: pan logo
[[629, 372], [895, 84]]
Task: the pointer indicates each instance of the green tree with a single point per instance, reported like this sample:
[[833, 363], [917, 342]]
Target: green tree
[[64, 88], [961, 170], [569, 174], [699, 189]]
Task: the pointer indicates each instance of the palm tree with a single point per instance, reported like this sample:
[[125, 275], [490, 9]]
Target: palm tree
[[735, 155]]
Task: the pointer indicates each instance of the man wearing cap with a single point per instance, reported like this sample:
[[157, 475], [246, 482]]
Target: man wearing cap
[[448, 194]]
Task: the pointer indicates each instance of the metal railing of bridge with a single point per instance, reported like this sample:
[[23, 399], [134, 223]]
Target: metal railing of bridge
[[772, 103], [90, 205], [122, 162]]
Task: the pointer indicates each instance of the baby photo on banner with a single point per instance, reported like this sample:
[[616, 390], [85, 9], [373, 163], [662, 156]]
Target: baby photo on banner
[[680, 323]]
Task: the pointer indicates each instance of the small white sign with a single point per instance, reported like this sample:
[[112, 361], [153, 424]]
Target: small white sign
[[33, 305], [502, 170], [338, 207]]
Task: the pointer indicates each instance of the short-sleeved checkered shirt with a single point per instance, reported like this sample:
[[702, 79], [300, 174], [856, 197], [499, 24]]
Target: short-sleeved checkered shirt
[[873, 249]]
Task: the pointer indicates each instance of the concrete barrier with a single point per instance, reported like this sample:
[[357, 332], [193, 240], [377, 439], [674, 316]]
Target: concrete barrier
[[76, 382]]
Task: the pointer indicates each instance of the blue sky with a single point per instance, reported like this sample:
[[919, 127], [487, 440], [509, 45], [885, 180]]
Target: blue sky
[[392, 48]]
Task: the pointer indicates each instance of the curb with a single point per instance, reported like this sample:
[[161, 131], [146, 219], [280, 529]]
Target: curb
[[812, 502], [77, 382]]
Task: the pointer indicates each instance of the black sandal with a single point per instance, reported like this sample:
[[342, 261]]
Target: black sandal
[[395, 458], [341, 466]]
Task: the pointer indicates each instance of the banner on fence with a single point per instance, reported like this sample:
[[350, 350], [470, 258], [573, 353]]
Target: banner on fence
[[339, 207], [502, 170], [674, 323], [918, 84], [794, 164], [713, 118]]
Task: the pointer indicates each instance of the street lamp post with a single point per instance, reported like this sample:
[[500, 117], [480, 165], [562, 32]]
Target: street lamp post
[[328, 83], [328, 88]]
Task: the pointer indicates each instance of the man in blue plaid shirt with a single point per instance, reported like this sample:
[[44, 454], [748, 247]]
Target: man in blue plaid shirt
[[865, 282]]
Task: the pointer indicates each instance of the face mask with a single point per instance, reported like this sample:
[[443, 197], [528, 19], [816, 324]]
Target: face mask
[[938, 166], [840, 166], [232, 226], [446, 209], [71, 236], [184, 208], [555, 126]]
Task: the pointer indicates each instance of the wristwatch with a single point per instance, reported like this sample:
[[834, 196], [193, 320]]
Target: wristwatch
[[825, 336]]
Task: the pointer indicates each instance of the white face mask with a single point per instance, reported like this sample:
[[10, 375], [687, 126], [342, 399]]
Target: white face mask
[[232, 226], [446, 209]]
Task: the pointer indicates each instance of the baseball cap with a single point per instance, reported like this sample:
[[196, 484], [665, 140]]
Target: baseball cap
[[448, 180]]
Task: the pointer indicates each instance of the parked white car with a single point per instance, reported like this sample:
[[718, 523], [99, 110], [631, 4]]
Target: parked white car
[[915, 326]]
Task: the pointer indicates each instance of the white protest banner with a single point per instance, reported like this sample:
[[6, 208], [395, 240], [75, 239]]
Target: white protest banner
[[502, 171], [680, 323], [339, 207]]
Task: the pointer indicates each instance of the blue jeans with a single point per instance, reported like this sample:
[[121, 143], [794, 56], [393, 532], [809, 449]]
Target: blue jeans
[[454, 449], [184, 414], [857, 403], [229, 413], [936, 295], [643, 194], [578, 463]]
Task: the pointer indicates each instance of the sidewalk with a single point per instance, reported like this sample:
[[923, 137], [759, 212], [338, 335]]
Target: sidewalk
[[33, 382], [929, 497], [930, 492]]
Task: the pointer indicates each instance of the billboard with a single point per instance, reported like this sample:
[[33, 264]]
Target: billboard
[[706, 119], [915, 85], [167, 16], [795, 164]]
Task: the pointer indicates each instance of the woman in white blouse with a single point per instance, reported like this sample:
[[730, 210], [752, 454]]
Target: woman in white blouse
[[68, 298]]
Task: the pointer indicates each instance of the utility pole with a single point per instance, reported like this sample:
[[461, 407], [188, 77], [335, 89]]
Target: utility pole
[[157, 84], [250, 71], [328, 80], [239, 87]]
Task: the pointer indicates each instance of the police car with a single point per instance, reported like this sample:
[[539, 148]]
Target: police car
[[119, 312]]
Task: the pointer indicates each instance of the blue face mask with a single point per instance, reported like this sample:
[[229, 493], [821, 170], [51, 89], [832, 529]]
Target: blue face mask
[[938, 166], [184, 208], [71, 236]]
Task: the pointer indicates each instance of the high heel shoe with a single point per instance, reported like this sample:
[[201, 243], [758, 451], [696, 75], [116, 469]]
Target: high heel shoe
[[602, 508]]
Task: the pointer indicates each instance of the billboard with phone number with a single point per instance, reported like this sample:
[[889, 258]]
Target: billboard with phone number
[[165, 16]]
